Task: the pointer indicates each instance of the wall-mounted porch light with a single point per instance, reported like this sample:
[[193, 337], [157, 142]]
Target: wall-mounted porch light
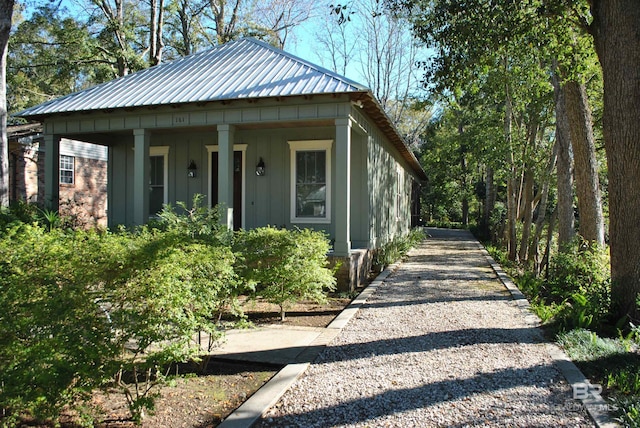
[[192, 170], [260, 168]]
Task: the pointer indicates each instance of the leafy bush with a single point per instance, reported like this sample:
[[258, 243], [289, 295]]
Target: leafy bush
[[18, 212], [286, 265], [579, 278], [199, 222], [56, 345], [80, 307], [164, 288]]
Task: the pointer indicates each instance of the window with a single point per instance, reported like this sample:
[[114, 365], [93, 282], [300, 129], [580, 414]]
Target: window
[[311, 181], [67, 169], [157, 179]]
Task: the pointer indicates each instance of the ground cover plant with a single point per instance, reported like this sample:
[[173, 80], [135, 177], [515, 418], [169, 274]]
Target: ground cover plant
[[573, 301]]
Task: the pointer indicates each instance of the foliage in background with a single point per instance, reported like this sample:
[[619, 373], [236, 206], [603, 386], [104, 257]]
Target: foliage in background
[[285, 265], [397, 248]]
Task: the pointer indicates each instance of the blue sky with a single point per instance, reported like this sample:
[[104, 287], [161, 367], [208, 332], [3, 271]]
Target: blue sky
[[301, 43]]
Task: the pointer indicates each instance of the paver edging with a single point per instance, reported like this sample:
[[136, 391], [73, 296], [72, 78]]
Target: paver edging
[[264, 398], [596, 406]]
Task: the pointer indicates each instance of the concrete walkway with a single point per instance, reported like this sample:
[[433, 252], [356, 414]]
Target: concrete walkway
[[297, 348]]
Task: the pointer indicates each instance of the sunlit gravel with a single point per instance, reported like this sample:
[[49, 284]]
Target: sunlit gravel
[[441, 343]]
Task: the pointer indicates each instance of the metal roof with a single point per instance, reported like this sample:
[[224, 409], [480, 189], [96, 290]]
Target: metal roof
[[243, 69], [247, 68]]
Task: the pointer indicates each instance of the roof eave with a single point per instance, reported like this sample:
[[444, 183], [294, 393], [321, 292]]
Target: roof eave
[[374, 110]]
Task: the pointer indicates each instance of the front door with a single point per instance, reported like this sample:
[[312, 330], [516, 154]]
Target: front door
[[237, 186]]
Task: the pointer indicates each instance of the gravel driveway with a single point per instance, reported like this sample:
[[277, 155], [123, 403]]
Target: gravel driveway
[[441, 343]]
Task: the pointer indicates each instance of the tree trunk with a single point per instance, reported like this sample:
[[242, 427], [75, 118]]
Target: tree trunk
[[566, 217], [512, 203], [527, 214], [6, 13], [512, 244], [586, 166], [465, 198], [615, 29], [156, 23], [534, 252], [490, 196]]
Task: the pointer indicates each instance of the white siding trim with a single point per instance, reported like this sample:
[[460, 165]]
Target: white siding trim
[[164, 152]]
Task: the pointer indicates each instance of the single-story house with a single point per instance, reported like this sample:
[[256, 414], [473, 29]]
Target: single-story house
[[82, 174], [274, 139]]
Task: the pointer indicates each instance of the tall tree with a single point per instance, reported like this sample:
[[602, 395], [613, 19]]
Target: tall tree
[[6, 14], [617, 39], [274, 20], [121, 28], [184, 28], [566, 217], [227, 19], [156, 24], [368, 39], [50, 56]]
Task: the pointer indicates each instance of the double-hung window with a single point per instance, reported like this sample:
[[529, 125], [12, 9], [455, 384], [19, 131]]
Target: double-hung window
[[311, 181], [67, 169]]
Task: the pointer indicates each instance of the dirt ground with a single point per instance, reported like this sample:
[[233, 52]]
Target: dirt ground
[[204, 400]]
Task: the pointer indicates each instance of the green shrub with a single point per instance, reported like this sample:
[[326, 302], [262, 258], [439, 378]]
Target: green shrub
[[197, 222], [78, 308], [286, 265], [579, 278], [55, 343], [168, 289], [627, 410]]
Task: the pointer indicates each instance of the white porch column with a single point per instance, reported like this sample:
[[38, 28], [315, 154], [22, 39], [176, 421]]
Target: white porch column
[[225, 173], [52, 171], [141, 171], [342, 188]]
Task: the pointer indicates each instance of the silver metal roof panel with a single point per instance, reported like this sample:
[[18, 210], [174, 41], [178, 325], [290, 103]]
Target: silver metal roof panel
[[247, 68]]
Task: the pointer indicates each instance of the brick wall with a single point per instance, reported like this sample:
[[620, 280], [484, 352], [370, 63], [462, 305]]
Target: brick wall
[[85, 200]]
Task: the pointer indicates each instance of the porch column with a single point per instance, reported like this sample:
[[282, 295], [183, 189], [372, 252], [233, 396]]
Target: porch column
[[342, 188], [225, 173], [141, 167], [52, 171]]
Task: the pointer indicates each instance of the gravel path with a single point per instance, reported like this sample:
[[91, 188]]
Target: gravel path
[[441, 343]]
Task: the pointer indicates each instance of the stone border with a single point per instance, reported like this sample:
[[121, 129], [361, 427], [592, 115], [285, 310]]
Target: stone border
[[596, 407], [269, 394]]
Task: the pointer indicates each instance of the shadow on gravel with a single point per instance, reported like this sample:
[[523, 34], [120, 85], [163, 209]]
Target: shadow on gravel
[[438, 299], [423, 343], [396, 401]]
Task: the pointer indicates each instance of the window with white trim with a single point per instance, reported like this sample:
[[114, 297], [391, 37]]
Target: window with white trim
[[311, 181], [67, 169]]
